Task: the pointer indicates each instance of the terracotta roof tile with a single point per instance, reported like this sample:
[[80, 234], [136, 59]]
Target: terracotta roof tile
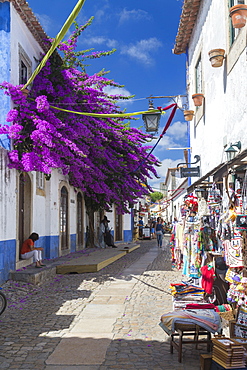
[[28, 17], [186, 25]]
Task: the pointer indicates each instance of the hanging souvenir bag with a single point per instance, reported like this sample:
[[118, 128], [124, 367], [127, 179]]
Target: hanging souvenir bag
[[241, 222], [214, 196], [242, 316], [233, 253]]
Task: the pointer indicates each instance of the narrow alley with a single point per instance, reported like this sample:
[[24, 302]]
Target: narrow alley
[[104, 320]]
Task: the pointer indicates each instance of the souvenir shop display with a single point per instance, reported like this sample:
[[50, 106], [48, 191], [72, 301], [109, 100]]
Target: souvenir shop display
[[209, 244], [229, 353], [185, 293], [207, 319], [205, 233]]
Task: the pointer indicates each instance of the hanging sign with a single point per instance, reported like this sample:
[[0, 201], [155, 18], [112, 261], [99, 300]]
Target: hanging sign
[[190, 171]]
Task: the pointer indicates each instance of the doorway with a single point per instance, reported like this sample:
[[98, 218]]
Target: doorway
[[118, 227], [25, 201], [79, 220], [64, 237]]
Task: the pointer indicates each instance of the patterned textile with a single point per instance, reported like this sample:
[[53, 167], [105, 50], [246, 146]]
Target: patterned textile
[[242, 316], [233, 252], [208, 276], [207, 319]]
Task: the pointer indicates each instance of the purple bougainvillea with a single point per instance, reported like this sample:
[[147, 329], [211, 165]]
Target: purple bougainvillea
[[101, 156]]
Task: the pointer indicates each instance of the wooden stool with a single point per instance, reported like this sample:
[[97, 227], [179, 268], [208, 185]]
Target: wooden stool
[[188, 330]]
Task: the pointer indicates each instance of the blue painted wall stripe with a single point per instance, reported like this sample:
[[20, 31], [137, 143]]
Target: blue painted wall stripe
[[4, 66], [51, 251], [7, 258]]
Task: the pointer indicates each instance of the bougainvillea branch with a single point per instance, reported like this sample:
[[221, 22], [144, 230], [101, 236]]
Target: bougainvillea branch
[[97, 154]]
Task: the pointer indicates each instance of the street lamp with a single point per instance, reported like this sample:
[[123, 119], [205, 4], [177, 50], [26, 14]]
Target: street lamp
[[151, 119], [231, 152]]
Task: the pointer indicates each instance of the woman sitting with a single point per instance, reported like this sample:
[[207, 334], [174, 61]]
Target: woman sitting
[[28, 250]]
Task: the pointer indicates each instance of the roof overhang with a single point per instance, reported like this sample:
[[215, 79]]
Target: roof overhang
[[187, 21], [32, 23], [220, 171]]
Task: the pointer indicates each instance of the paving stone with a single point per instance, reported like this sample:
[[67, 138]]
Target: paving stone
[[39, 320]]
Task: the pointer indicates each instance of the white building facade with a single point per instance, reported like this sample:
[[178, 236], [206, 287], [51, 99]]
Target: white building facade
[[29, 203], [221, 119]]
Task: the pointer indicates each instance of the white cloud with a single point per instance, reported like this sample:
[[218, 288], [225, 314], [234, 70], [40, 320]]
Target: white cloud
[[111, 43], [99, 15], [81, 19], [113, 90], [141, 50], [162, 170], [126, 15], [178, 129], [168, 163], [95, 40], [164, 143], [100, 40], [45, 21], [102, 14]]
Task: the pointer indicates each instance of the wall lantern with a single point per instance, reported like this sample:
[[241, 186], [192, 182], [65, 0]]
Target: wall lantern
[[231, 152], [151, 119]]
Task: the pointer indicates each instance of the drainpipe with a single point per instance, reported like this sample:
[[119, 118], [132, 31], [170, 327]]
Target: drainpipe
[[188, 122]]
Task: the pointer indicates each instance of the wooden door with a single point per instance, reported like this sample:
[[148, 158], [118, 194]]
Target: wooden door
[[79, 220], [118, 227], [64, 219], [24, 229]]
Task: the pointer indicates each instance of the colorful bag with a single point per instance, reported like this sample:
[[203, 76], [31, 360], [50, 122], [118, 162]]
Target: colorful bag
[[233, 252]]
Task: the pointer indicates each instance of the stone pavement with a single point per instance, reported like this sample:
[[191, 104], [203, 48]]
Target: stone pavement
[[95, 321]]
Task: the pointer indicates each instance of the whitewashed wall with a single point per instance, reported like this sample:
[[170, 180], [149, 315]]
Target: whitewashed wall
[[225, 115], [20, 34], [7, 199]]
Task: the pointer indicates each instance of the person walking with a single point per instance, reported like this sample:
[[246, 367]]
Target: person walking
[[159, 232], [102, 232], [28, 250], [141, 226], [153, 223], [105, 236]]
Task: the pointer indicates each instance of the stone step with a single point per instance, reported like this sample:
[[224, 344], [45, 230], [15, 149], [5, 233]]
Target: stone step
[[86, 260]]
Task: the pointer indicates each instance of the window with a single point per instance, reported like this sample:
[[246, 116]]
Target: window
[[198, 70], [40, 180], [198, 87], [236, 2], [25, 66], [23, 73], [234, 31]]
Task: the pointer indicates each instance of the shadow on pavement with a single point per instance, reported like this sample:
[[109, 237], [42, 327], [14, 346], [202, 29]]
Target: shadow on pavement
[[103, 353], [32, 324]]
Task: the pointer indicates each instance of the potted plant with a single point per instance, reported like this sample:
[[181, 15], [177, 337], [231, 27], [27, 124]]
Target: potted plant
[[25, 92], [198, 99], [216, 57], [188, 115], [238, 13]]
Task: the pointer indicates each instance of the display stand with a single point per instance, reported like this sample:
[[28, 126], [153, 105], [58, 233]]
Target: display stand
[[183, 330], [216, 366]]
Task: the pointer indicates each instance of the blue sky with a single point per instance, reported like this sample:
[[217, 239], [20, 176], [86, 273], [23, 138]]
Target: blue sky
[[143, 32]]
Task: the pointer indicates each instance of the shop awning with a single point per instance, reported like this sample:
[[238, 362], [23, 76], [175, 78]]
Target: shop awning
[[219, 171]]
